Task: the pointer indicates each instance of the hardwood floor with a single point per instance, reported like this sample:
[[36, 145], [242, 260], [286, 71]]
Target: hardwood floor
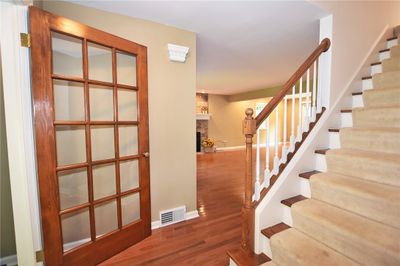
[[205, 240]]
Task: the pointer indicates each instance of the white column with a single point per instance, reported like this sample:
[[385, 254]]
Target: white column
[[299, 128], [257, 187], [284, 148], [308, 111], [314, 92], [276, 158], [267, 172], [319, 92], [292, 136]]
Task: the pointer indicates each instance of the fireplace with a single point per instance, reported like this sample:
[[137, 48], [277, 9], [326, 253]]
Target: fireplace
[[198, 141]]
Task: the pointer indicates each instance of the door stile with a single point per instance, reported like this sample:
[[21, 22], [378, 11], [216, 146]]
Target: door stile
[[44, 135]]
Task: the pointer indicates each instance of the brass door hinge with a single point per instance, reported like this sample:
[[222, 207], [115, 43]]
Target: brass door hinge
[[25, 40], [40, 256]]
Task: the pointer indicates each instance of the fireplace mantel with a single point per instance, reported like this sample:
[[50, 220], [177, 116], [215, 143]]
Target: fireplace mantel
[[203, 116]]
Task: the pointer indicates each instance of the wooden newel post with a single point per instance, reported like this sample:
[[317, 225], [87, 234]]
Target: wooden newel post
[[249, 129]]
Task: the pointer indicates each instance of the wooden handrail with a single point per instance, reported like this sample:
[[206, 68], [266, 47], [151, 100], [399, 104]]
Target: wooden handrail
[[250, 126], [322, 47]]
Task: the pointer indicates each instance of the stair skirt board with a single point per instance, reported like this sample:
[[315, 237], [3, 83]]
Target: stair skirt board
[[353, 215]]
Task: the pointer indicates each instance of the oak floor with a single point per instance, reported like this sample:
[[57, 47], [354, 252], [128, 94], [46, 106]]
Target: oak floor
[[204, 240]]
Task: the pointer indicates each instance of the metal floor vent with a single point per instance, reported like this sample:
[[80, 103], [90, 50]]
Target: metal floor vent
[[172, 216]]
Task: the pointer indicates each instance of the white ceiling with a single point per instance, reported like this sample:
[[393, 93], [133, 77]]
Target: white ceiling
[[241, 45]]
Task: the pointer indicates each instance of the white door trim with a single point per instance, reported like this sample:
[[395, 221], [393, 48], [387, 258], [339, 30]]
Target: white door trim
[[19, 130]]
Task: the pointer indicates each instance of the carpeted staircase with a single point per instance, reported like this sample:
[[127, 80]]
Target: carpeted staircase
[[353, 216]]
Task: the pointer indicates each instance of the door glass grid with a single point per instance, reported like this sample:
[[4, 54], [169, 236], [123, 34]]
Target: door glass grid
[[91, 138]]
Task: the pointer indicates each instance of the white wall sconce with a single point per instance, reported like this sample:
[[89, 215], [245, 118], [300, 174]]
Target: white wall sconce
[[177, 53]]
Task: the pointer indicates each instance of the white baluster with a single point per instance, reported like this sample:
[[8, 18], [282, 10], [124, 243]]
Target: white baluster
[[267, 173], [314, 92], [284, 148], [292, 137], [308, 111], [299, 128], [257, 186], [276, 158], [319, 96]]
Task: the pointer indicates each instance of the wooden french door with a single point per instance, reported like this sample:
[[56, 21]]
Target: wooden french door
[[91, 133]]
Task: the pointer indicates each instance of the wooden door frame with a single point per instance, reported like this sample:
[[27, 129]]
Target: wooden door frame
[[18, 114], [42, 89]]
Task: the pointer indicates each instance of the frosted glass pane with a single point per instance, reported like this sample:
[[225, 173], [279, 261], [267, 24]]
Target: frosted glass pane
[[126, 69], [102, 142], [71, 144], [101, 103], [128, 140], [129, 175], [100, 62], [127, 105], [73, 187], [130, 206], [103, 180], [69, 100], [66, 54], [106, 217], [75, 228]]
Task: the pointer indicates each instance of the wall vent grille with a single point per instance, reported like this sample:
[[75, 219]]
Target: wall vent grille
[[172, 216]]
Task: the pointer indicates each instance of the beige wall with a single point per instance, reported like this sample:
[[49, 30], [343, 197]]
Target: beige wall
[[356, 26], [225, 125], [171, 101], [7, 237]]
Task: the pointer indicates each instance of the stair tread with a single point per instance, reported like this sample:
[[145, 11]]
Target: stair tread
[[334, 222], [321, 151], [366, 77], [272, 230], [380, 167], [269, 263], [374, 129], [382, 117], [371, 139], [381, 156], [346, 110], [384, 50], [391, 38], [333, 130], [376, 63], [357, 93], [304, 250], [247, 258], [370, 199], [307, 175], [359, 186], [290, 201]]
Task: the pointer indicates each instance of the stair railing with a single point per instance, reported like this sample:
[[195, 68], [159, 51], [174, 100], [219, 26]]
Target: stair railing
[[283, 145]]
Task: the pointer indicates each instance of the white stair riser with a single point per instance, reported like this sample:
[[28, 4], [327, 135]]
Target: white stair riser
[[305, 189], [357, 101], [384, 55], [266, 246], [346, 120], [320, 162], [375, 69], [287, 215], [367, 84], [334, 140], [391, 43]]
